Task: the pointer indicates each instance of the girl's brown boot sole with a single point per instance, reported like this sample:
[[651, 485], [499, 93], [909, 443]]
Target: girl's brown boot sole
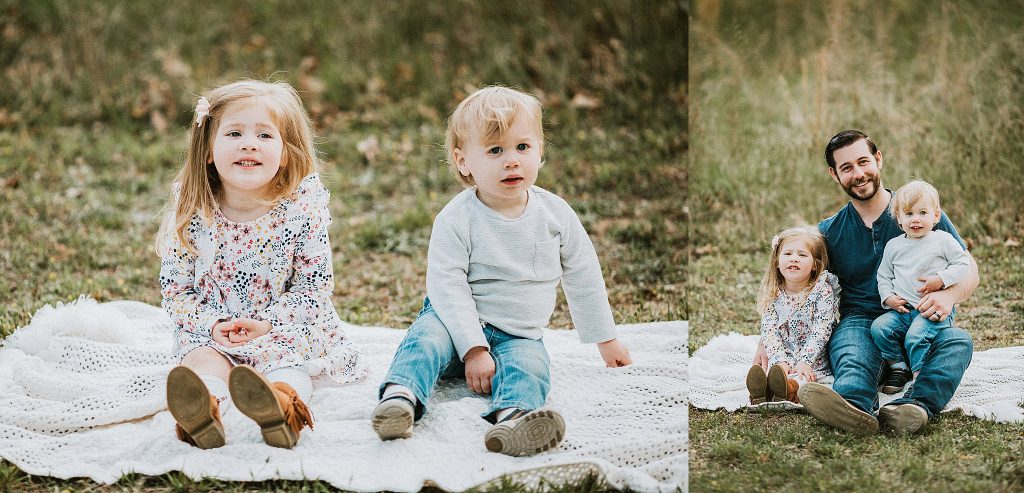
[[194, 409]]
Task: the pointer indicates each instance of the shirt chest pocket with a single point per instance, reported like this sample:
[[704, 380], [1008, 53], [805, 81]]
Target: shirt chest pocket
[[547, 259]]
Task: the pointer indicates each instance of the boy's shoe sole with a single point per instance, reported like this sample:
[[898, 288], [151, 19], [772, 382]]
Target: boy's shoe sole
[[777, 383], [255, 397], [188, 400], [830, 408], [757, 385], [532, 433], [903, 418], [393, 418]]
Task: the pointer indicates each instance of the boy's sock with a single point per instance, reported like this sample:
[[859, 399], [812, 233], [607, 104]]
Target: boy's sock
[[899, 365], [393, 389], [394, 418], [502, 414]]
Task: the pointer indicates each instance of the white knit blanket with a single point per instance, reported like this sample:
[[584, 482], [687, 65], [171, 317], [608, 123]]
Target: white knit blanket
[[992, 387], [82, 393]]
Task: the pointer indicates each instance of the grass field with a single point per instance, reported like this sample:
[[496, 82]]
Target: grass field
[[96, 96], [939, 86]]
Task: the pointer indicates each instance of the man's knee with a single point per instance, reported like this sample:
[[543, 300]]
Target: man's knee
[[954, 339]]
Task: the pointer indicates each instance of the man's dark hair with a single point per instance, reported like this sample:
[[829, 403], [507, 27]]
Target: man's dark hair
[[843, 139]]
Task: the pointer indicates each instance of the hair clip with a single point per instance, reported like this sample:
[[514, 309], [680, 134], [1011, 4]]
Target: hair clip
[[202, 110], [775, 241]]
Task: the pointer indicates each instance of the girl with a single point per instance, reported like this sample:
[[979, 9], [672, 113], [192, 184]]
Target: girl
[[246, 271], [798, 304]]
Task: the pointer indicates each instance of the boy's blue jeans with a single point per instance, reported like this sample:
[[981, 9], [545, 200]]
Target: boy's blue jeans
[[857, 365], [522, 376], [893, 331]]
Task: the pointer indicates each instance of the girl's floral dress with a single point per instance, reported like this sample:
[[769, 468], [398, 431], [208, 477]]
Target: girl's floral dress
[[797, 329], [276, 268]]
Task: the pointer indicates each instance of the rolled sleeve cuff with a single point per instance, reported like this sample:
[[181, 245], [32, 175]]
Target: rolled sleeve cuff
[[464, 344], [948, 279]]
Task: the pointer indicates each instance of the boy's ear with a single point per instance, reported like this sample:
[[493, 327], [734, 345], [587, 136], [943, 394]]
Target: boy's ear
[[459, 158]]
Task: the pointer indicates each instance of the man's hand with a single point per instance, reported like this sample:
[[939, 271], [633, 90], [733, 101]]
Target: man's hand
[[896, 302], [761, 357], [936, 306], [930, 284], [479, 370], [614, 353], [805, 371]]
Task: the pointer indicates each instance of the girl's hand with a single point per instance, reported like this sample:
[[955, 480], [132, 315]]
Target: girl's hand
[[248, 329], [223, 334], [806, 372], [785, 367], [897, 303], [479, 370], [614, 353], [238, 335], [761, 356]]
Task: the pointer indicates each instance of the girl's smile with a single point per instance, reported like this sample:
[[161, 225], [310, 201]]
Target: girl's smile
[[247, 150], [795, 263]]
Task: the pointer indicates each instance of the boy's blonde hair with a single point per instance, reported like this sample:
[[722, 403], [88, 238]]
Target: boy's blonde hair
[[487, 115], [198, 182], [773, 280], [913, 192]]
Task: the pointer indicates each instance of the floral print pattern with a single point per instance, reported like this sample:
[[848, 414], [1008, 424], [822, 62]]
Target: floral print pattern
[[797, 329], [276, 268]]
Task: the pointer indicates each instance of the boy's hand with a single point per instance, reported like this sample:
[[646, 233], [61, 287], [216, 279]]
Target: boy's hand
[[896, 302], [614, 353], [931, 283], [479, 370], [806, 372]]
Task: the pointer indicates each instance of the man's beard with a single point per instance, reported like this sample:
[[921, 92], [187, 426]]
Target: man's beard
[[876, 184]]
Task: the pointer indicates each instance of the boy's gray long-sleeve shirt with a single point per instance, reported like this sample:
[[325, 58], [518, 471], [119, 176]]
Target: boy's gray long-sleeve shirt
[[904, 260], [485, 267]]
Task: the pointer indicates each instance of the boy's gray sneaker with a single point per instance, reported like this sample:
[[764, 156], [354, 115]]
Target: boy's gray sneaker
[[903, 418], [830, 408], [393, 417], [526, 433]]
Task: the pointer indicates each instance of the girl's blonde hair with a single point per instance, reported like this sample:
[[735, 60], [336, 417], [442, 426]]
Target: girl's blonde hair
[[198, 183], [913, 192], [487, 115], [773, 280]]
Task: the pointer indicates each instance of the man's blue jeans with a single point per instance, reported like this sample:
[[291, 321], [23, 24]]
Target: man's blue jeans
[[857, 365], [892, 331], [522, 376]]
